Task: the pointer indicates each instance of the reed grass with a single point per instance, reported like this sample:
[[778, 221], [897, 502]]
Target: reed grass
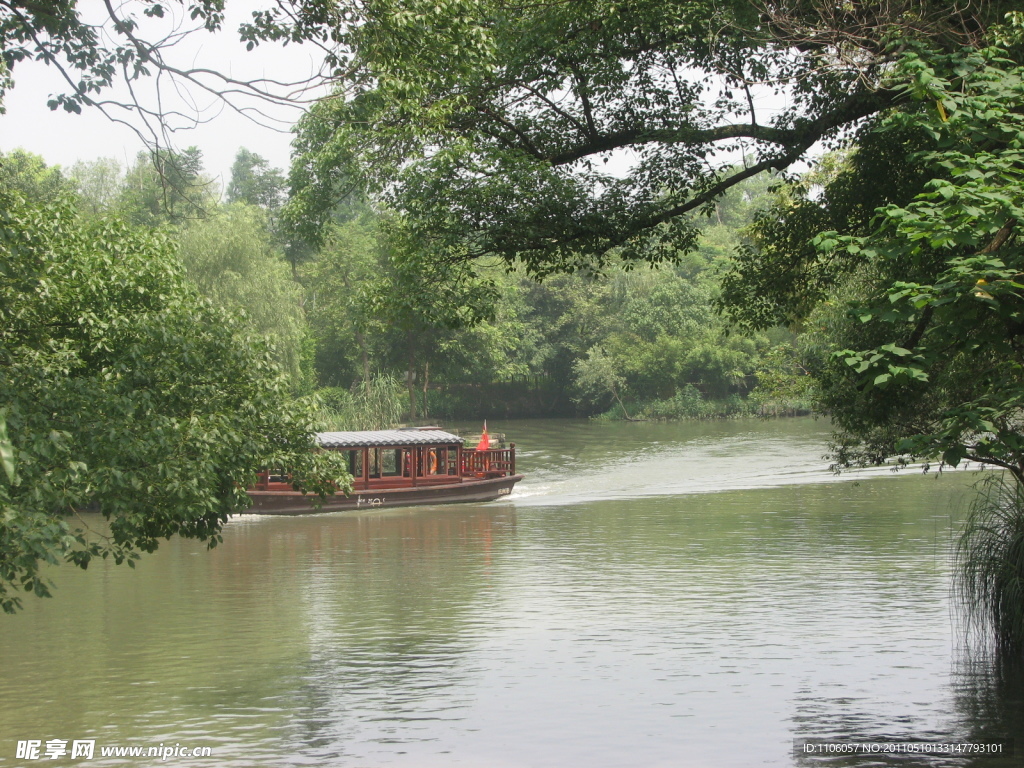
[[686, 404], [376, 404], [989, 574]]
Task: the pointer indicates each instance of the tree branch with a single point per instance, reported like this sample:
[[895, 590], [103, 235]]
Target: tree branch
[[856, 107]]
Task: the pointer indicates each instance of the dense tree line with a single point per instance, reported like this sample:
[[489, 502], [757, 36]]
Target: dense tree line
[[367, 300]]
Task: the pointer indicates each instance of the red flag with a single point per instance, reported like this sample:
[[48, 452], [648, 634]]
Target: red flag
[[485, 440]]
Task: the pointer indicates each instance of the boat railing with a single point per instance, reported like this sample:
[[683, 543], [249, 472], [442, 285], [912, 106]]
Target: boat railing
[[492, 462]]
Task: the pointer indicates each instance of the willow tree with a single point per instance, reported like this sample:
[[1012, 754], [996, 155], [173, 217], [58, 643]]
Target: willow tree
[[231, 257]]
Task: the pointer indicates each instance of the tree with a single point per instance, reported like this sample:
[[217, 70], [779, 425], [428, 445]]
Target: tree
[[374, 279], [124, 392], [562, 134], [936, 367], [99, 183], [919, 352], [166, 186], [349, 336], [230, 256], [253, 181], [28, 174], [597, 373]]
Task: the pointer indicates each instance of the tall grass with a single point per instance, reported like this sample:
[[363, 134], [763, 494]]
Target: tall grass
[[377, 404], [989, 574], [688, 403]]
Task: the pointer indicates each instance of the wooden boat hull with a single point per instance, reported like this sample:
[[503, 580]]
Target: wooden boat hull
[[292, 503]]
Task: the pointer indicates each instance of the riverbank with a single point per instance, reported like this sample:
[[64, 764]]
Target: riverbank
[[690, 404]]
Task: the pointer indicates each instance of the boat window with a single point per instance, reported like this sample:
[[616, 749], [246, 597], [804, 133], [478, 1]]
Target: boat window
[[436, 460], [445, 457], [355, 463], [390, 463]]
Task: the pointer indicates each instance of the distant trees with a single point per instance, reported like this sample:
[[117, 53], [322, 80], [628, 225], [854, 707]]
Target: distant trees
[[254, 182], [376, 295], [166, 186], [655, 332], [232, 258], [29, 175], [98, 183]]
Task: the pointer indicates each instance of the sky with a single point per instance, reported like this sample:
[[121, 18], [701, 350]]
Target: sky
[[62, 138]]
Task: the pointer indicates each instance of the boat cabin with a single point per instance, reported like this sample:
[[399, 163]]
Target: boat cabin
[[406, 458]]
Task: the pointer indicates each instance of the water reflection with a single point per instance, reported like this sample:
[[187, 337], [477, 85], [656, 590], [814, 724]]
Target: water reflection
[[988, 692], [986, 708], [566, 627]]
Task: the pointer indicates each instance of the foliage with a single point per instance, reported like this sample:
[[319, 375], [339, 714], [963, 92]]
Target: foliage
[[688, 403], [254, 182], [348, 336], [376, 403], [990, 561], [29, 175], [783, 384], [659, 329], [780, 275], [495, 349], [231, 258], [930, 361], [376, 286], [165, 186], [598, 373], [99, 184], [124, 392], [505, 128]]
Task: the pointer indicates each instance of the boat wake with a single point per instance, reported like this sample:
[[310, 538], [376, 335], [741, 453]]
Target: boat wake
[[698, 467]]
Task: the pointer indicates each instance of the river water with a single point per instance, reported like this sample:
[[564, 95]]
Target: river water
[[696, 594]]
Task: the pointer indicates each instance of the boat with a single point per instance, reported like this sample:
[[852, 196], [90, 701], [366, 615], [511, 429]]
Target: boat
[[397, 468]]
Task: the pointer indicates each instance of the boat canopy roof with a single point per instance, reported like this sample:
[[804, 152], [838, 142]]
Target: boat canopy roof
[[387, 437]]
